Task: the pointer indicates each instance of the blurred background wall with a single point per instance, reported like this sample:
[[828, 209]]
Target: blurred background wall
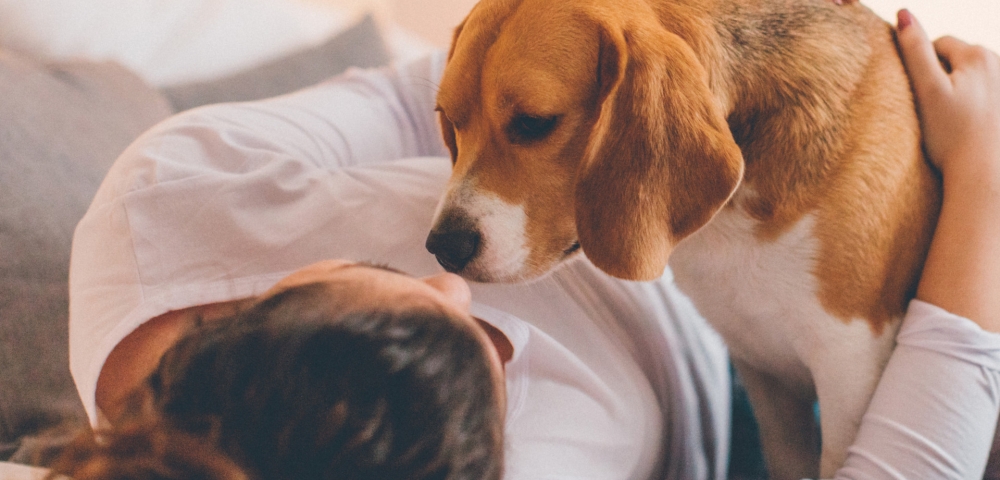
[[976, 20]]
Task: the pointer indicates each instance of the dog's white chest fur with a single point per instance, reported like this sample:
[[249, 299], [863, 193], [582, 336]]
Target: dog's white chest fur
[[762, 297]]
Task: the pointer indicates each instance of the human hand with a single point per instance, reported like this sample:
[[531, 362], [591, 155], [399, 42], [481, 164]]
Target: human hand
[[957, 88]]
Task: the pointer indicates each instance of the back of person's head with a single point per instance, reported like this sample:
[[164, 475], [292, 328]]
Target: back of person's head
[[294, 389]]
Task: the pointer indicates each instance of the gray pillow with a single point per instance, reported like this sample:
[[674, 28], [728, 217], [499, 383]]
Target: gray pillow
[[61, 126], [359, 46]]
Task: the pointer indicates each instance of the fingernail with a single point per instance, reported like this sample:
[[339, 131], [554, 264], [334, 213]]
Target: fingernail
[[904, 19]]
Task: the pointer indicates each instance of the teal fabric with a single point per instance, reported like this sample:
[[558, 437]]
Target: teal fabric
[[746, 460]]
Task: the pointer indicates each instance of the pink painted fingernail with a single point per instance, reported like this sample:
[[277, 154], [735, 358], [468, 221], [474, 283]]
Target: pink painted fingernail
[[904, 19]]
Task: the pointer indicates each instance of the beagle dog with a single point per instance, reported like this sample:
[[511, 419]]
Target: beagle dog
[[768, 149]]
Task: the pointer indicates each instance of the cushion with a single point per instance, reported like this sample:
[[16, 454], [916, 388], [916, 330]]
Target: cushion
[[360, 45], [169, 41], [63, 125]]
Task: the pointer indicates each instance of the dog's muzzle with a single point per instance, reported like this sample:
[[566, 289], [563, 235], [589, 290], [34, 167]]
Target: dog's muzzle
[[454, 241]]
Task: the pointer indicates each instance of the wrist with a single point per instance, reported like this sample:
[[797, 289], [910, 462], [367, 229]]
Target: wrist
[[973, 176], [962, 271]]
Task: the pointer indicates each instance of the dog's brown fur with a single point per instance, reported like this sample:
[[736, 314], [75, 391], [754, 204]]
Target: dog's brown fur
[[670, 111]]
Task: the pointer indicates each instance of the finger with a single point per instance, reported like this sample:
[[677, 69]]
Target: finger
[[920, 57], [959, 54], [949, 46]]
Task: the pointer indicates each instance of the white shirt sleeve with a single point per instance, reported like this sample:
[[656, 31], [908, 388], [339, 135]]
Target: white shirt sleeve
[[935, 410]]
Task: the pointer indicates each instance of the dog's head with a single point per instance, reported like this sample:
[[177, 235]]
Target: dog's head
[[575, 124]]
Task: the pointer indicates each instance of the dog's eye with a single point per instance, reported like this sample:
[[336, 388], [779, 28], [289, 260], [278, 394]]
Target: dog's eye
[[526, 128]]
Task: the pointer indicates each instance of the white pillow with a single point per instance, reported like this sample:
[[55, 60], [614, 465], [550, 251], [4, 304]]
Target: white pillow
[[169, 41]]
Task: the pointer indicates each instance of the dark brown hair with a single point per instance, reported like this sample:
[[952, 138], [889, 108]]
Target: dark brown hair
[[294, 389]]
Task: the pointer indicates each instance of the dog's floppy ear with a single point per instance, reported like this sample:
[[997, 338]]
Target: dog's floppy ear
[[661, 160]]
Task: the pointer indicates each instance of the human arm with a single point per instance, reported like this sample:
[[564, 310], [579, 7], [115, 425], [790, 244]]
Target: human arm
[[960, 119], [935, 410]]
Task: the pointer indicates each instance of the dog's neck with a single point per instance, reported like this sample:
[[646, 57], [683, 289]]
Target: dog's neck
[[781, 69]]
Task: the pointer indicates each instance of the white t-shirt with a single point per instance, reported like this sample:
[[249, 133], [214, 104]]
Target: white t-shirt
[[609, 379]]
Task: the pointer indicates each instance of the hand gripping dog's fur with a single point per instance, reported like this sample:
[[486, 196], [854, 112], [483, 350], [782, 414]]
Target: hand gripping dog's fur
[[769, 148]]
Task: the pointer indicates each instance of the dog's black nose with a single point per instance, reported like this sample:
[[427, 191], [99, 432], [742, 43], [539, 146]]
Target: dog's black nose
[[454, 249]]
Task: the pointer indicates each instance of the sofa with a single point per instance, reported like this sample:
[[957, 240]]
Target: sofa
[[69, 107]]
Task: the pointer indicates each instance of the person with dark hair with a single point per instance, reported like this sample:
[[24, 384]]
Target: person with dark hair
[[188, 322], [304, 385]]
